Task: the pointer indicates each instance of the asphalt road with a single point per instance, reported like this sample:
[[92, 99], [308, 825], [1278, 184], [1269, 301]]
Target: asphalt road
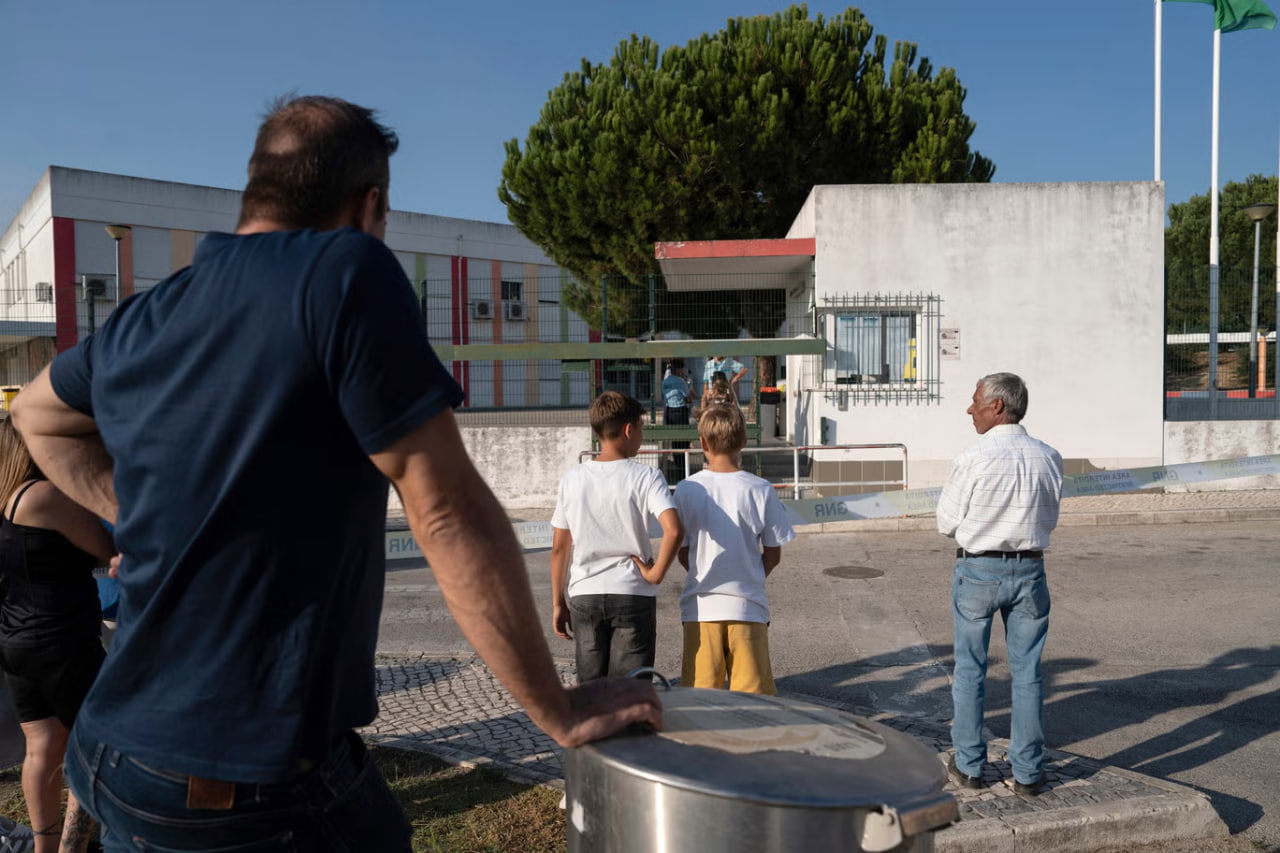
[[1162, 655]]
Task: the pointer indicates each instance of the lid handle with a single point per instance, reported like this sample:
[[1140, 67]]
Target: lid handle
[[881, 830], [648, 670], [885, 829]]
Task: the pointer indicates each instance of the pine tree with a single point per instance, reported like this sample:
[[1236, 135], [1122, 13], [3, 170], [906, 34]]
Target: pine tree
[[1186, 258], [723, 139]]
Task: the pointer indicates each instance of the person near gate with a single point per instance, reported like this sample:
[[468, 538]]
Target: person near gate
[[675, 394], [1000, 504], [733, 369]]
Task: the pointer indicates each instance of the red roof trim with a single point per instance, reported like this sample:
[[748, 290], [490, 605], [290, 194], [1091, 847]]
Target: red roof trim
[[700, 249]]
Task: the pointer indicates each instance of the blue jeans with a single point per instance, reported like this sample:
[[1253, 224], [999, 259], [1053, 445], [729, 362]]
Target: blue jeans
[[613, 634], [1016, 589], [341, 806]]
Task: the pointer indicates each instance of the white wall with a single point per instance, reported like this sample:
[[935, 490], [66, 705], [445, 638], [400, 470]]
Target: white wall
[[26, 252], [102, 197], [523, 465], [1060, 283], [1200, 441], [35, 210], [31, 263]]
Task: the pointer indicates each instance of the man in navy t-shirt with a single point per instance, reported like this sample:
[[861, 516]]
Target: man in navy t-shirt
[[239, 424]]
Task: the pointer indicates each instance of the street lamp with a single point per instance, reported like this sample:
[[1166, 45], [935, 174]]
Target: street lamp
[[1256, 212], [118, 233]]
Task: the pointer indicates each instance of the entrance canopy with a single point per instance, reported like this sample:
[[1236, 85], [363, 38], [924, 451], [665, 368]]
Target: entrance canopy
[[736, 264]]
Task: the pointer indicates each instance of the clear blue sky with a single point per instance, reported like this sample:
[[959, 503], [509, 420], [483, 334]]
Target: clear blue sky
[[174, 90]]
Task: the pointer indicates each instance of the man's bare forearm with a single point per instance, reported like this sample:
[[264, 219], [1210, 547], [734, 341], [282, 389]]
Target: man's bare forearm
[[81, 468]]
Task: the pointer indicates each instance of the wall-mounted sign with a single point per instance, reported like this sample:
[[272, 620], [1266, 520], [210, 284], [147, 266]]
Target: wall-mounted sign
[[950, 344]]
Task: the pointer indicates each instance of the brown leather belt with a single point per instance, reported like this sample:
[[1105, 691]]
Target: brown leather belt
[[1023, 555], [210, 793]]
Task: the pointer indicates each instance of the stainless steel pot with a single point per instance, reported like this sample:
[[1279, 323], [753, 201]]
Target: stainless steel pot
[[738, 773]]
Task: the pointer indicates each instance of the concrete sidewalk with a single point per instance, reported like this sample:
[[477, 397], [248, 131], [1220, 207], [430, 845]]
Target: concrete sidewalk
[[456, 709], [1152, 506], [1144, 507]]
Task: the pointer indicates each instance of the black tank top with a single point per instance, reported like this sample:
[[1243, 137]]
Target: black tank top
[[47, 592]]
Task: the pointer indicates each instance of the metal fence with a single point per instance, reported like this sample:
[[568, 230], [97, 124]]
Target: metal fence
[[805, 471], [1243, 382], [543, 381], [27, 331]]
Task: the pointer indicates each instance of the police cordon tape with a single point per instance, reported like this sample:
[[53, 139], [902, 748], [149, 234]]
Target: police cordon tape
[[536, 535]]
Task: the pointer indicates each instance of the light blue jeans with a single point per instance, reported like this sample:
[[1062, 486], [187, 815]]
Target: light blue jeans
[[1015, 588]]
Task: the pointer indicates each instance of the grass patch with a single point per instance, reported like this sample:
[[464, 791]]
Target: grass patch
[[453, 809], [471, 810]]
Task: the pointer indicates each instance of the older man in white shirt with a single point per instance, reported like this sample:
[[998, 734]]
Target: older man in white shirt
[[1000, 504]]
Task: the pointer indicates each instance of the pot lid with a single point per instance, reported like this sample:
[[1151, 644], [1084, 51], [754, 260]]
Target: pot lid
[[777, 750]]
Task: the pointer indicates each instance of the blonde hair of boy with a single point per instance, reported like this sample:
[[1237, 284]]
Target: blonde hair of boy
[[611, 412], [723, 429]]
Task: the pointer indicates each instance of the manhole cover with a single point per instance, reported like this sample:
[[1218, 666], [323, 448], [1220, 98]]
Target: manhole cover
[[854, 573]]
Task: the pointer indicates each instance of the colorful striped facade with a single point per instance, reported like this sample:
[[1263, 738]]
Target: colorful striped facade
[[478, 282]]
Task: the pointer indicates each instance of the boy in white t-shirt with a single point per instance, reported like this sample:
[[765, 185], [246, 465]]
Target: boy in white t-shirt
[[729, 517], [603, 575]]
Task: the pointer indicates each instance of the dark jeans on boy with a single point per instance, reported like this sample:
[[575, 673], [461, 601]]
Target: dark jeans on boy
[[613, 634], [341, 806]]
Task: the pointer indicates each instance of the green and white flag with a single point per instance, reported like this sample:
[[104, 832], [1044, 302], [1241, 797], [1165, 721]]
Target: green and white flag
[[1233, 15]]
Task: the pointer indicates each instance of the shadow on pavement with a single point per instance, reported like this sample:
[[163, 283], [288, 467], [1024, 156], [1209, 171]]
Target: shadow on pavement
[[400, 675], [916, 684], [1091, 709]]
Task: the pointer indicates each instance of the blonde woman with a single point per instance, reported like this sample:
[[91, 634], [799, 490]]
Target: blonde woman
[[50, 621]]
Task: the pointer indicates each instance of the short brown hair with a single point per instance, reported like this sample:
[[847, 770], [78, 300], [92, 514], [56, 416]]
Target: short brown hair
[[612, 411], [315, 156], [723, 428]]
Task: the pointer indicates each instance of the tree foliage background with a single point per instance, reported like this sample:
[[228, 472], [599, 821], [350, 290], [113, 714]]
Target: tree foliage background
[[723, 138], [1186, 254]]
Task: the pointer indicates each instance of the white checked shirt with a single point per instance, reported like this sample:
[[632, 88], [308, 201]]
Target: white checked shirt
[[1003, 493]]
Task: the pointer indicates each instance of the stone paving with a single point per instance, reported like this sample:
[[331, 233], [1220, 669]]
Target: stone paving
[[455, 708]]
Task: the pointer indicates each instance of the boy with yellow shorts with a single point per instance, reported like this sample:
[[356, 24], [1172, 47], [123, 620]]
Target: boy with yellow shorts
[[735, 528]]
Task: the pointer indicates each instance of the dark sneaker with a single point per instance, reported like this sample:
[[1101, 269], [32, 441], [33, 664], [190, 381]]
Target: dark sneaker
[[15, 837], [1030, 790], [964, 780]]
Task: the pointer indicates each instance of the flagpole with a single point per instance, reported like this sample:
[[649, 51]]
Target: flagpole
[[1275, 355], [1213, 233], [1159, 68]]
